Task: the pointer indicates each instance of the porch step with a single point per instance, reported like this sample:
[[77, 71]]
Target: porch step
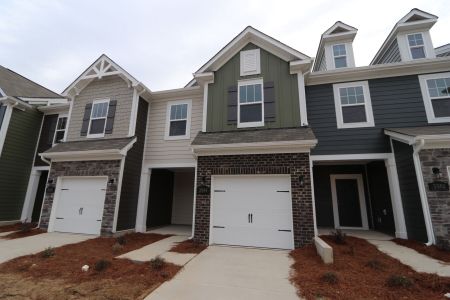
[[160, 248]]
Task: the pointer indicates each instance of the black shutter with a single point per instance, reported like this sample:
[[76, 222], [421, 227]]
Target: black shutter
[[232, 105], [53, 120], [86, 118], [269, 102], [111, 114]]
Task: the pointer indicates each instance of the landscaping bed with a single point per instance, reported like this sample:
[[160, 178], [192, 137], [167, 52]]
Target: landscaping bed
[[21, 234], [361, 271], [11, 227], [57, 273], [431, 251], [188, 246]]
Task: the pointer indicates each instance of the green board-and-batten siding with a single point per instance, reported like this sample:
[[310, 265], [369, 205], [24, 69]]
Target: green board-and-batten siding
[[16, 161], [273, 69]]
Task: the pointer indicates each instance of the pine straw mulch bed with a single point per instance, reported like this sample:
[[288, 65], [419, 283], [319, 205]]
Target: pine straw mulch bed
[[361, 271], [431, 251], [21, 234], [188, 246], [60, 276]]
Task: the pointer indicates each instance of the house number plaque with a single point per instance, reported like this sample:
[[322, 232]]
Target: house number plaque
[[437, 186]]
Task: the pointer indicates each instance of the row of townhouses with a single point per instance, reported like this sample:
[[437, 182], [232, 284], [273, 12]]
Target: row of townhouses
[[264, 147]]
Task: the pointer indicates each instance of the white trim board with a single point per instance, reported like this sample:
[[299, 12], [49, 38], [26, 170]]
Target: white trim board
[[363, 156], [4, 126], [362, 200]]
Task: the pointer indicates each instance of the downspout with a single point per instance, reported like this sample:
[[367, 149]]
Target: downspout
[[44, 159], [418, 146]]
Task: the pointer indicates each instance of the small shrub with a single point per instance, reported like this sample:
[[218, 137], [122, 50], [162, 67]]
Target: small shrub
[[121, 240], [25, 227], [101, 265], [116, 248], [399, 281], [375, 264], [47, 253], [330, 277], [157, 263], [339, 236]]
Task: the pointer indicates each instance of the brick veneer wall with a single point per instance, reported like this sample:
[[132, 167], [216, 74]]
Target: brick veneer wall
[[439, 202], [110, 168], [295, 164]]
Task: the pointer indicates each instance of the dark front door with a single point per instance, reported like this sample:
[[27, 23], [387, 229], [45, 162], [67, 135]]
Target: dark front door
[[39, 197], [349, 209], [160, 198]]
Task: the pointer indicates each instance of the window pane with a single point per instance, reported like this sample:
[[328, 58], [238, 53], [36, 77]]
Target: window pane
[[97, 126], [340, 62], [251, 113], [258, 92], [59, 136], [417, 52], [61, 123], [354, 114], [177, 128], [178, 112], [99, 110], [415, 39], [339, 50], [250, 93], [441, 107], [242, 94]]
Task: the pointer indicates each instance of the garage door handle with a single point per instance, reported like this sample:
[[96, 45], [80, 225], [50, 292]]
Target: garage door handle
[[57, 218], [64, 189], [219, 191], [99, 220], [282, 191], [218, 226], [284, 230]]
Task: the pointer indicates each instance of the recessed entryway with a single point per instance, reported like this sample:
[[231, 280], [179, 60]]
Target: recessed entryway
[[252, 210], [78, 204]]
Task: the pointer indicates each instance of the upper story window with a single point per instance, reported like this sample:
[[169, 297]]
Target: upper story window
[[436, 95], [340, 56], [250, 62], [178, 120], [416, 45], [353, 105], [60, 129], [250, 103], [97, 122]]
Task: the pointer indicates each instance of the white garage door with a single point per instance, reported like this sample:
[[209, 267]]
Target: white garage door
[[252, 211], [79, 206]]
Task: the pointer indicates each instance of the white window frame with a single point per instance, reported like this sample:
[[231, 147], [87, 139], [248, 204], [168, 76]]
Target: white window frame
[[334, 57], [410, 47], [244, 83], [56, 129], [98, 135], [257, 53], [427, 99], [370, 122], [187, 135]]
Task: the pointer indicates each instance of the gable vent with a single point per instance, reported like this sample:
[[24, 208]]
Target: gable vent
[[250, 62]]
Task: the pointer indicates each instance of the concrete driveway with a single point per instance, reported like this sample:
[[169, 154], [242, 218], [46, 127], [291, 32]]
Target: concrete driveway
[[231, 273], [10, 249]]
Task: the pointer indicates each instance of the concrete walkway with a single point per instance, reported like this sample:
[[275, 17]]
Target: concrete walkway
[[160, 248], [231, 273], [412, 258], [10, 249]]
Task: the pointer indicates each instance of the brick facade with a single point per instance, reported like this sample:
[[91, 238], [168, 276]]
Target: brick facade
[[110, 168], [439, 202], [294, 164]]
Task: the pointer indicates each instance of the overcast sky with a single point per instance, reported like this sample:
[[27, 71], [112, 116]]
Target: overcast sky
[[162, 43]]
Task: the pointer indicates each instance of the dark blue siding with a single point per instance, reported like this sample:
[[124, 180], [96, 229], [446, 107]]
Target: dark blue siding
[[412, 207], [396, 102]]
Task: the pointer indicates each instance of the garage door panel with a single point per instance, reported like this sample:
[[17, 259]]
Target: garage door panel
[[79, 208], [266, 198]]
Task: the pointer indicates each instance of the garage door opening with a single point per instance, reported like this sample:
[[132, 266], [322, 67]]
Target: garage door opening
[[78, 204], [170, 201], [253, 211]]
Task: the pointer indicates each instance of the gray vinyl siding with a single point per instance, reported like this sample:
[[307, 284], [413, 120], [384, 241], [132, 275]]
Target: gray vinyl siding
[[16, 161], [320, 64], [159, 151], [396, 102], [409, 190], [390, 55], [132, 172], [46, 138], [113, 88]]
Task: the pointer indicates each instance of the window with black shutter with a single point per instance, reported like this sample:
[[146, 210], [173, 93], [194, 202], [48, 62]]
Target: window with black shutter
[[250, 103]]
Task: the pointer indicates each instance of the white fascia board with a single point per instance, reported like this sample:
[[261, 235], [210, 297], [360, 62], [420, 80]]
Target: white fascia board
[[187, 92], [56, 108], [255, 148], [423, 66], [363, 156], [430, 140], [83, 155], [407, 139], [15, 102], [251, 35]]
